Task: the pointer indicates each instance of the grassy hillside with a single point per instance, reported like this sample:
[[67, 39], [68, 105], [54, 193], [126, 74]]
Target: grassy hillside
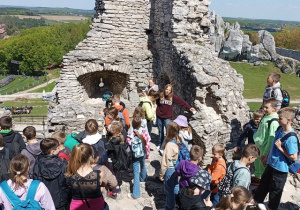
[[255, 78]]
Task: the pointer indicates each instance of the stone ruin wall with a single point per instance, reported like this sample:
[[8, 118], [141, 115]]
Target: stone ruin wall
[[133, 40]]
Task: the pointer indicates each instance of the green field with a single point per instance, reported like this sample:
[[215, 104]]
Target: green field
[[39, 106], [47, 88], [256, 105], [255, 78]]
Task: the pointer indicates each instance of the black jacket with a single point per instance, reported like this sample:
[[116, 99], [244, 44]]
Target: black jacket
[[51, 171], [187, 202], [14, 142]]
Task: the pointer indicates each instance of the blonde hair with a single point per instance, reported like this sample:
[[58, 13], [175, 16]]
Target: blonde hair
[[258, 114], [219, 148], [116, 128], [170, 96], [287, 112], [239, 195], [19, 166], [138, 113], [80, 155], [59, 136], [173, 133]]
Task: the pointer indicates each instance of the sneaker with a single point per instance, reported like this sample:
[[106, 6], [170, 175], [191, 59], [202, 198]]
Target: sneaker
[[130, 196], [112, 195], [255, 181]]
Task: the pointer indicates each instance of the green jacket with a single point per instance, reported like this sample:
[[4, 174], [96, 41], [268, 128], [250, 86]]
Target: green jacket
[[148, 108], [264, 136]]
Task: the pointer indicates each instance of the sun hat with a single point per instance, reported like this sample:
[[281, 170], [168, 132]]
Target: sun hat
[[181, 120], [202, 178]]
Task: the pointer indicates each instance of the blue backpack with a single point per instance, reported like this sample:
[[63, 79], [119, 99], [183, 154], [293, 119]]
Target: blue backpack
[[183, 153], [100, 151], [28, 203], [137, 146]]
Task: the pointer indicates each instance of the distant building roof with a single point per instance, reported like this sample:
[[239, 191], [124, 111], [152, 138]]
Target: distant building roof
[[2, 31], [2, 25]]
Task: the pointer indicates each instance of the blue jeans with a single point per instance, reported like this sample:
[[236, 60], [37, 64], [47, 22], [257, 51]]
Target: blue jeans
[[214, 198], [140, 174], [171, 187], [161, 123]]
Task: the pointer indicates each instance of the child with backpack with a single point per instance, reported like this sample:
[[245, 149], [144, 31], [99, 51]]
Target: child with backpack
[[113, 146], [113, 116], [191, 196], [138, 144], [50, 169], [249, 129], [281, 159], [123, 113], [167, 170], [4, 161], [187, 169], [32, 149], [139, 113], [217, 169], [273, 89], [19, 192], [11, 139], [64, 152], [185, 132], [264, 136], [238, 173], [238, 199], [85, 181]]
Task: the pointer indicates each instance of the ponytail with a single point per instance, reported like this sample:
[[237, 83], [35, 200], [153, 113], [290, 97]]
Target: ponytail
[[19, 167], [80, 155]]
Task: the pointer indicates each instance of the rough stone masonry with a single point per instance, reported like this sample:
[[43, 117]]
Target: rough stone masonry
[[133, 40]]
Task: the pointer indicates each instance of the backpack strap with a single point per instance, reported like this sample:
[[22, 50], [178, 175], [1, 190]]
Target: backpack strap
[[15, 145], [122, 110], [289, 161], [64, 155], [11, 196], [270, 122], [31, 153], [6, 153], [32, 189]]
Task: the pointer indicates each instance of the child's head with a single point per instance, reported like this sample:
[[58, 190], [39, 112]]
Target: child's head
[[218, 150], [29, 132], [1, 140], [112, 113], [116, 127], [257, 116], [270, 106], [116, 99], [286, 116], [273, 78], [238, 199], [153, 95], [199, 183], [196, 153], [91, 126], [136, 123], [250, 152], [81, 155], [173, 132], [49, 146], [19, 167], [151, 82], [5, 123], [139, 113], [59, 136]]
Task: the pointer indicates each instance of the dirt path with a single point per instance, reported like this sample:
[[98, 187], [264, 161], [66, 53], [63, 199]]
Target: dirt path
[[36, 87]]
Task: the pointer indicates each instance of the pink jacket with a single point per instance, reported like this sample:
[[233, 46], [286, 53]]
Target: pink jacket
[[42, 195]]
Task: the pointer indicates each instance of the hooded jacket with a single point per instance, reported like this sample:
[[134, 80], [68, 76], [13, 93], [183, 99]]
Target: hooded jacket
[[190, 202], [274, 91], [242, 176], [186, 170], [14, 142], [50, 170], [31, 152], [148, 108]]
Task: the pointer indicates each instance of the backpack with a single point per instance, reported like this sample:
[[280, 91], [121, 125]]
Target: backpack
[[227, 182], [122, 157], [4, 166], [285, 97], [100, 151], [121, 116], [142, 102], [270, 122], [137, 146], [183, 153], [28, 203], [294, 166]]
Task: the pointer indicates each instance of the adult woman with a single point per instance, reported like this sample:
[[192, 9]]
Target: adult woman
[[164, 110], [85, 182]]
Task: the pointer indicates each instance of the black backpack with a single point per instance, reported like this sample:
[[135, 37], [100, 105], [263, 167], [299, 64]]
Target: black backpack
[[227, 182], [270, 122], [142, 102], [122, 159], [4, 166], [100, 151], [285, 97]]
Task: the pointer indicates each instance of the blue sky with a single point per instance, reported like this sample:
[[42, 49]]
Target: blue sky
[[257, 9]]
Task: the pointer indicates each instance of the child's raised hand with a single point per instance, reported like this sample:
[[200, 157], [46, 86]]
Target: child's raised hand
[[278, 145]]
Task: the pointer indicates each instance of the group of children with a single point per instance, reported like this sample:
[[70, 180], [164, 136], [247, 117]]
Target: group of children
[[74, 170]]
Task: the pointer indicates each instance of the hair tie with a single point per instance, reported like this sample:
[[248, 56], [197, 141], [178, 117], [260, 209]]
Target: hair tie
[[18, 172], [231, 195]]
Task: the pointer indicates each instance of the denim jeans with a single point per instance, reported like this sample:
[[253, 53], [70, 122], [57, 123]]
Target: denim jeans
[[161, 123], [171, 188], [149, 126], [140, 174], [214, 198]]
